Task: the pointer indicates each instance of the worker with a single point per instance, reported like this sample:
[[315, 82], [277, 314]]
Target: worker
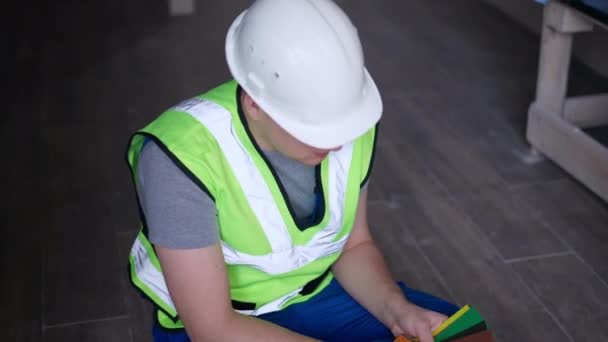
[[253, 195]]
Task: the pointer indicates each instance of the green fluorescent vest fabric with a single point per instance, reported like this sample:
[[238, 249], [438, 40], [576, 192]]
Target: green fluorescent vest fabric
[[268, 257]]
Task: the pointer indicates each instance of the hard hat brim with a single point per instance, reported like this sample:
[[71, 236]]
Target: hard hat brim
[[336, 133]]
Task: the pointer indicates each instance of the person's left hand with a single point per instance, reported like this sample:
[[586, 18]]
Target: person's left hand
[[414, 321]]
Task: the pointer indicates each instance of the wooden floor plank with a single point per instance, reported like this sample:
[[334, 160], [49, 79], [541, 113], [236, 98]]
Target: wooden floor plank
[[20, 258], [82, 275], [80, 265], [21, 284], [404, 257], [572, 292], [515, 232], [471, 183], [457, 167], [115, 330], [575, 215]]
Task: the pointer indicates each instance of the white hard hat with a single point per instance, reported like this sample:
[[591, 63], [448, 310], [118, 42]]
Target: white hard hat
[[301, 61]]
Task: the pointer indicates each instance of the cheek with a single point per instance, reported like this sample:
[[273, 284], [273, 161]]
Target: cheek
[[289, 145], [294, 147]]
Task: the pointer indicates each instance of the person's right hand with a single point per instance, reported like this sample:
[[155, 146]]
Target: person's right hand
[[416, 322]]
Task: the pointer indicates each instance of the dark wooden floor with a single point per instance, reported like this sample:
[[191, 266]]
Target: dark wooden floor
[[458, 204]]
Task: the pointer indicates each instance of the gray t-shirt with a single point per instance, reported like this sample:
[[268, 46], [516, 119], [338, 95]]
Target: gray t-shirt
[[180, 215]]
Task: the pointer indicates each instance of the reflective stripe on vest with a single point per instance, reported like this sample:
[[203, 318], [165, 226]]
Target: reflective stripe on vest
[[285, 257], [273, 306], [153, 278], [149, 274]]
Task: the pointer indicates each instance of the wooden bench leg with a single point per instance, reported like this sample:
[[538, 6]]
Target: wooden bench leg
[[551, 117], [554, 61]]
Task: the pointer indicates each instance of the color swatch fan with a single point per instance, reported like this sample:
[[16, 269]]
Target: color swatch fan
[[466, 325]]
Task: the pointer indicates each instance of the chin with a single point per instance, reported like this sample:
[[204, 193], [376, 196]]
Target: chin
[[314, 160], [310, 162]]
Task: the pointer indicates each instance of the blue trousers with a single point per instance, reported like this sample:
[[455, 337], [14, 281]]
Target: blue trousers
[[332, 315]]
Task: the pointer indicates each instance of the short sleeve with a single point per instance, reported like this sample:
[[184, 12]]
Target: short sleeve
[[178, 213]]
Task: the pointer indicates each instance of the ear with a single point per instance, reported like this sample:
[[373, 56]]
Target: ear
[[251, 108]]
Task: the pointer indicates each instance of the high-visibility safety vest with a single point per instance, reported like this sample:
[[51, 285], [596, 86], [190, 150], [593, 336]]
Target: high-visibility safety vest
[[271, 261]]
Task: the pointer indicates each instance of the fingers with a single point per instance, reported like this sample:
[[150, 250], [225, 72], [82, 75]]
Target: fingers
[[421, 323], [424, 335], [436, 321], [422, 330]]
